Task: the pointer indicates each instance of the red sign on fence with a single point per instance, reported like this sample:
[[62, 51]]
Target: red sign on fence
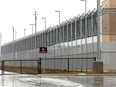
[[43, 49]]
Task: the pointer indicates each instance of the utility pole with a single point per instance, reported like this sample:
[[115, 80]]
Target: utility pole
[[98, 31]]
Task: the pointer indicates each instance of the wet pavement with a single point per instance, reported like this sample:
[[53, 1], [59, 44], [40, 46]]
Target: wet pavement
[[17, 80]]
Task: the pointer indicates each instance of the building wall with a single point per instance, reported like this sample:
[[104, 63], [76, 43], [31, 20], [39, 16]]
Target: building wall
[[109, 34], [109, 3], [112, 3], [109, 21]]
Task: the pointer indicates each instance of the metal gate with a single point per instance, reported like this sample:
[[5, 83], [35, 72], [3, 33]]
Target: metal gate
[[21, 66], [61, 65]]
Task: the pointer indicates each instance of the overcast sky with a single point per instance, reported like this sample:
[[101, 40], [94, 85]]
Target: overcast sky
[[20, 14]]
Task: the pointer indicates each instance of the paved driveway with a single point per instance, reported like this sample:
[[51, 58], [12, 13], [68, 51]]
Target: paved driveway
[[18, 80]]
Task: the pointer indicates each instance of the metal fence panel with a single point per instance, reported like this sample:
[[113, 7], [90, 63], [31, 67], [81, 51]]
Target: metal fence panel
[[21, 66]]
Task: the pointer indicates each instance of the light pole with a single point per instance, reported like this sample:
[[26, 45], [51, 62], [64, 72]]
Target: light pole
[[15, 34], [59, 16], [45, 22], [44, 64], [25, 42], [35, 33], [32, 27], [55, 46], [45, 29], [24, 32], [86, 44], [32, 42], [85, 5], [13, 44]]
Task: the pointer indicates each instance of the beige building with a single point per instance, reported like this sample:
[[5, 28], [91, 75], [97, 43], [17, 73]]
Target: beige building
[[109, 34], [109, 20]]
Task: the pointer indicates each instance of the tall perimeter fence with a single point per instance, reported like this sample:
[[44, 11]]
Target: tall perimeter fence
[[47, 65]]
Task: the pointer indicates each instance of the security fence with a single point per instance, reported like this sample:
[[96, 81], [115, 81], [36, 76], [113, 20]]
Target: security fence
[[74, 38], [78, 28], [47, 65]]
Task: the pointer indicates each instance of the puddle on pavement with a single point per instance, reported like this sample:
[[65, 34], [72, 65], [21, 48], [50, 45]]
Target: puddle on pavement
[[56, 81]]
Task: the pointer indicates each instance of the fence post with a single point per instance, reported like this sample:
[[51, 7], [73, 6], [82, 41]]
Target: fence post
[[21, 66], [94, 58], [38, 61], [68, 64], [2, 67], [39, 65], [86, 64]]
